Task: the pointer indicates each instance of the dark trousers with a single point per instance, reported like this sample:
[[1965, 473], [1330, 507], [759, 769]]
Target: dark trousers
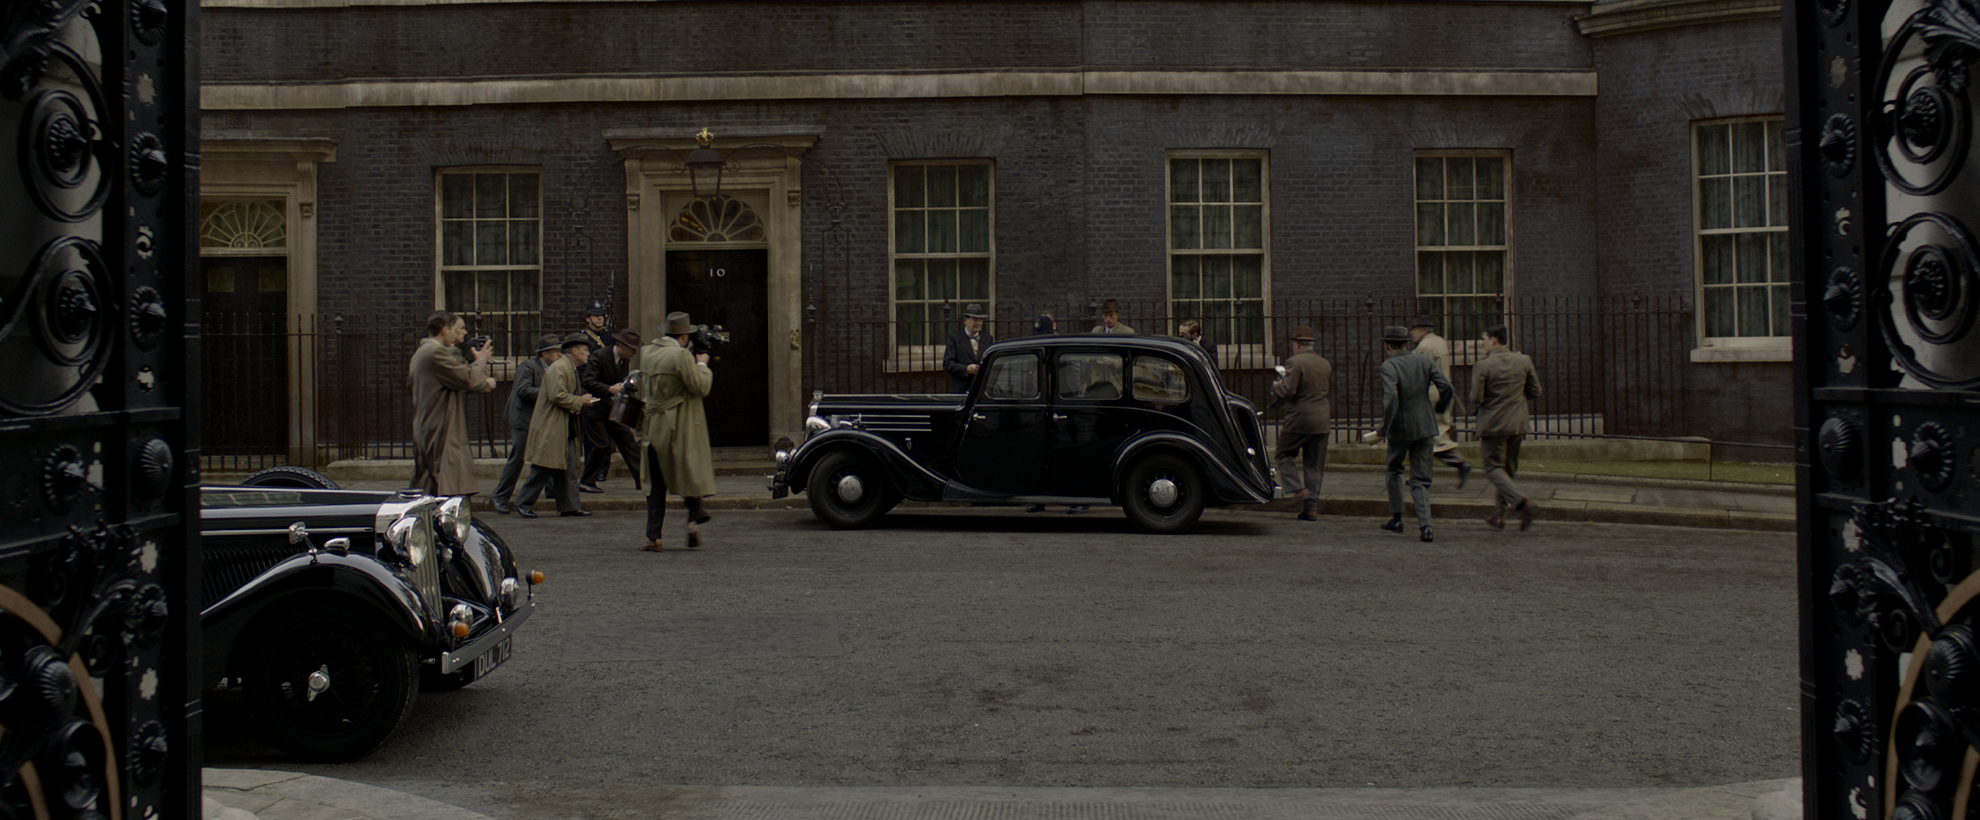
[[656, 499], [1418, 453], [505, 487], [1302, 460], [562, 483], [600, 436]]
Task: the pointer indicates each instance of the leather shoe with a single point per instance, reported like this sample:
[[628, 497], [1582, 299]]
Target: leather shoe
[[1427, 537], [502, 507], [573, 513], [525, 512], [589, 488], [652, 546], [1309, 515], [1495, 522], [694, 535], [1525, 514], [1464, 473], [1393, 524]]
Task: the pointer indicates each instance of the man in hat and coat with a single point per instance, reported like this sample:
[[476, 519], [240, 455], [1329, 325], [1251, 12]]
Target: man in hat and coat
[[440, 381], [1409, 422], [593, 438], [1424, 330], [553, 432], [674, 429], [604, 377], [1308, 386], [522, 406], [1110, 318], [1502, 384], [964, 354]]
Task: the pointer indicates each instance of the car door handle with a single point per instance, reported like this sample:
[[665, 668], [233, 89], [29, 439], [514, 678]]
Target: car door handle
[[978, 417], [1058, 417]]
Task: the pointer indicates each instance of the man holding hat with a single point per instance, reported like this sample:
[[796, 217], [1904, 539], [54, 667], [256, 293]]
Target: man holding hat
[[965, 350], [1110, 318], [604, 377], [521, 406], [1410, 423], [1308, 384], [553, 432], [674, 429], [1428, 343]]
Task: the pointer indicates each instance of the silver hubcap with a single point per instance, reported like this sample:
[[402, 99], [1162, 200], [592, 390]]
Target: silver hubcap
[[1163, 492], [319, 682], [850, 490]]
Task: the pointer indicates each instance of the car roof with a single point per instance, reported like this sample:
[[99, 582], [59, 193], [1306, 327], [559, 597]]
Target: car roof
[[1170, 344]]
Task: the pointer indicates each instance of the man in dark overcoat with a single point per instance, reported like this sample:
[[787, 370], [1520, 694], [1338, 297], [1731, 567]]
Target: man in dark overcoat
[[964, 353], [604, 377], [1308, 386], [442, 464], [593, 439], [522, 405], [1409, 422], [1502, 384]]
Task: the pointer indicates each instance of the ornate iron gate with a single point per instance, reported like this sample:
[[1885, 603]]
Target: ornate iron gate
[[98, 541], [1888, 403]]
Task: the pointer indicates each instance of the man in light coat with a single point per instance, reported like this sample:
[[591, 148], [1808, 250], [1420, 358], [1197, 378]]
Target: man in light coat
[[553, 432], [1502, 384], [1110, 318], [674, 429], [521, 406], [1428, 343], [1308, 422], [1409, 422], [442, 464]]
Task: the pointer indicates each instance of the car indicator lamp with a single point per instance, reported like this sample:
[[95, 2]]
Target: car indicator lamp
[[536, 576], [460, 629]]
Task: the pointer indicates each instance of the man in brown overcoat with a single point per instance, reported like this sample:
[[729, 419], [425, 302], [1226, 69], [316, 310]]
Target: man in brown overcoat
[[553, 432], [1308, 386], [674, 429], [1501, 385], [442, 464]]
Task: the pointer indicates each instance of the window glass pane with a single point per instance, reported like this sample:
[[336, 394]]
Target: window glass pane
[[1777, 257], [1216, 277], [1779, 300], [1216, 180], [1248, 226], [1185, 228], [1749, 202], [491, 196], [522, 241], [1159, 381], [1718, 261], [1013, 377], [1248, 323], [973, 186], [1491, 223], [1090, 376], [1719, 319], [1751, 253], [910, 231], [522, 196], [973, 279], [1457, 273], [1216, 226], [1715, 203], [460, 291], [941, 231], [1458, 177], [1776, 199], [491, 292], [942, 280], [1491, 178], [908, 319], [272, 279], [457, 243], [523, 286], [941, 186], [1185, 274], [1183, 180], [1714, 149], [1429, 224], [1429, 273], [1491, 272], [974, 226], [909, 188], [910, 282], [1463, 223], [456, 196], [1753, 311], [1248, 276], [1429, 178], [220, 279], [491, 242], [1776, 149], [1749, 144], [1247, 180]]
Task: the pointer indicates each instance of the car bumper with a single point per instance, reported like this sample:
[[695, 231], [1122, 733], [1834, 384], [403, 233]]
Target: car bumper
[[775, 481], [490, 641]]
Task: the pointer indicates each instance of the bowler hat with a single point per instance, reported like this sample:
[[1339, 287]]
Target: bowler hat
[[1303, 333], [1110, 304], [627, 337], [596, 308], [974, 311], [547, 341], [1396, 333], [677, 324], [576, 339], [1423, 321]]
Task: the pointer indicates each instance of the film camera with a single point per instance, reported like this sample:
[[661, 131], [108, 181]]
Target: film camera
[[704, 338]]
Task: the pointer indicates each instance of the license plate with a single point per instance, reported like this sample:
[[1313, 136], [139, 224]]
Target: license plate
[[494, 657]]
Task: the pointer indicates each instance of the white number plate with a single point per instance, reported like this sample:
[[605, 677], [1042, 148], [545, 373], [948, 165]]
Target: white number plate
[[494, 657]]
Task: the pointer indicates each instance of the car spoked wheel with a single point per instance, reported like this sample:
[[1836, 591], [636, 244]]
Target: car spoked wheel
[[1163, 494], [329, 682], [848, 489]]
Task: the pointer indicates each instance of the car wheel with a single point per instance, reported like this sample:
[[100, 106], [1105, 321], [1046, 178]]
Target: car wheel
[[329, 682], [848, 489], [1163, 494], [298, 477]]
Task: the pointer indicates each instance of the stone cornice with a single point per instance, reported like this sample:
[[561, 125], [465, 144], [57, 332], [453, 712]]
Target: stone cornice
[[255, 148], [1632, 16]]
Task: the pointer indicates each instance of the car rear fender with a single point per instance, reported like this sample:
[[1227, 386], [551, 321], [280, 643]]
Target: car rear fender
[[910, 477], [1229, 486], [294, 582]]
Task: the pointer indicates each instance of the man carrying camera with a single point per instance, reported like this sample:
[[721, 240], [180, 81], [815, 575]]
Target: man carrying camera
[[442, 464], [674, 429], [603, 377]]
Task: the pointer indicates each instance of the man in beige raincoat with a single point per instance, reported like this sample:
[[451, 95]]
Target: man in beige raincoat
[[674, 429], [553, 432], [1424, 330], [442, 464]]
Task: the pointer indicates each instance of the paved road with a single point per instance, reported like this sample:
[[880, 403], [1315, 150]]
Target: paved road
[[1000, 649]]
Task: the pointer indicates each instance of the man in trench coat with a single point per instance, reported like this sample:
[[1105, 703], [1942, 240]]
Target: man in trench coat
[[1308, 422], [1428, 343], [553, 432], [521, 407], [1410, 424], [442, 464], [674, 429]]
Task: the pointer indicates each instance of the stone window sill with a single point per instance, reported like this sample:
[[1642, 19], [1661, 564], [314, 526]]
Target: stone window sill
[[1770, 350]]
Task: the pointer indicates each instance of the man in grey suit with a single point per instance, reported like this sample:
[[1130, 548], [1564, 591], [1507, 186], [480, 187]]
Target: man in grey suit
[[522, 403], [1502, 384], [1308, 387], [1410, 423]]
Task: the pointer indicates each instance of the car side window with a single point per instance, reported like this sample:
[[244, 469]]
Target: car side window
[[1090, 375], [1012, 377], [1159, 381]]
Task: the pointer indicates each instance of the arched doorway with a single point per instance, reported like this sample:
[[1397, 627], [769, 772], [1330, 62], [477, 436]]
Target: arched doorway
[[718, 271]]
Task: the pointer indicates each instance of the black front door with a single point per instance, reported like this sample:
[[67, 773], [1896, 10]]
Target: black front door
[[244, 360], [730, 288]]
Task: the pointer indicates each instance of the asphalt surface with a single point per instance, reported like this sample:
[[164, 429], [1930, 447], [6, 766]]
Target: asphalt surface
[[1257, 667]]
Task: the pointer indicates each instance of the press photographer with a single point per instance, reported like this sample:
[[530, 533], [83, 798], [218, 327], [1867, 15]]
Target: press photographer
[[674, 379]]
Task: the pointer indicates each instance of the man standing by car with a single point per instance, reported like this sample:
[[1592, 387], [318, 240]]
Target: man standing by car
[[521, 406], [964, 353], [440, 381], [675, 429], [1428, 343], [1308, 422], [553, 450], [1501, 386], [1410, 424], [603, 378]]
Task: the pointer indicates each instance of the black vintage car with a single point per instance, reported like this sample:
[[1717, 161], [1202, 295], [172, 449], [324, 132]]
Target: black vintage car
[[1143, 422], [332, 609]]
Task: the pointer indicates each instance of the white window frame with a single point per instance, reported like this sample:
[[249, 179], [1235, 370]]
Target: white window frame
[[1231, 353], [1464, 347], [912, 357], [1778, 348], [441, 268]]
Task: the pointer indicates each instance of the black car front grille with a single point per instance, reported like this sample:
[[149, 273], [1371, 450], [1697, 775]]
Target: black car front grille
[[228, 568]]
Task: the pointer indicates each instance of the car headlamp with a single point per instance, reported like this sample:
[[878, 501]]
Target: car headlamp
[[456, 518], [412, 542]]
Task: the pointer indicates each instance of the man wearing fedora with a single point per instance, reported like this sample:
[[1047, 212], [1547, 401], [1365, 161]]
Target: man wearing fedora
[[965, 349], [604, 377], [674, 429], [1424, 330], [1409, 422], [1110, 318], [1308, 386], [553, 432], [521, 406]]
